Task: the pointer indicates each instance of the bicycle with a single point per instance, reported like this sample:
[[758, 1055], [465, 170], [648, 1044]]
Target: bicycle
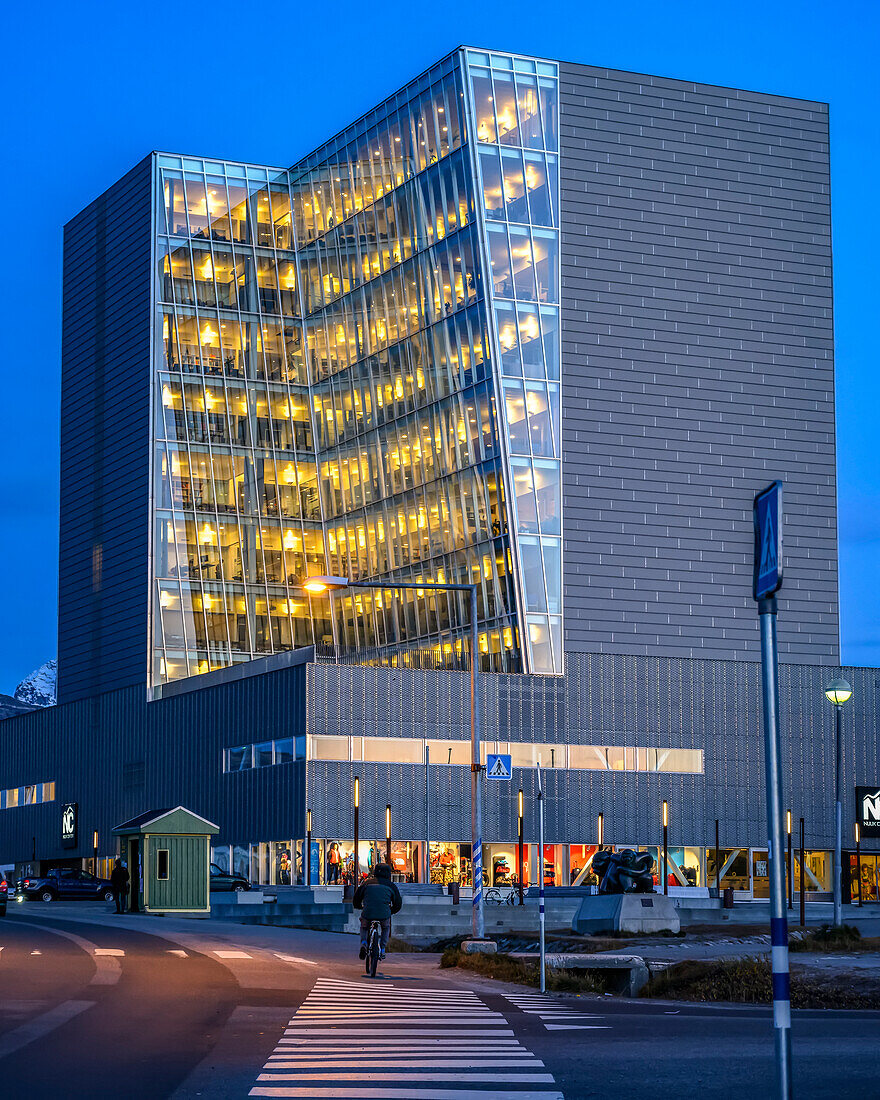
[[494, 896], [374, 947]]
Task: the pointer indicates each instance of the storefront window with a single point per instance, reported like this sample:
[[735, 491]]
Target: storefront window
[[444, 865], [868, 868], [580, 860]]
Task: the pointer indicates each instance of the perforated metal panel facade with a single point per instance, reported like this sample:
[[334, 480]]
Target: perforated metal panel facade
[[603, 699]]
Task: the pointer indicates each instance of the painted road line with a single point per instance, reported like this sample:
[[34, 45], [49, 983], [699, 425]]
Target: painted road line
[[331, 1049], [178, 953], [467, 1078], [232, 955], [295, 959], [372, 1093], [108, 971], [40, 1027], [113, 952]]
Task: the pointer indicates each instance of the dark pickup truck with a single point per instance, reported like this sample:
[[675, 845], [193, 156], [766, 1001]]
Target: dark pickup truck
[[66, 882]]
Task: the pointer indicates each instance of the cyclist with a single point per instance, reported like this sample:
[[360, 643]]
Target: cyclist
[[377, 898]]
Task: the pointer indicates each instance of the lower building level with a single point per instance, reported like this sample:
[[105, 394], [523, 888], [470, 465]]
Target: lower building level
[[268, 747]]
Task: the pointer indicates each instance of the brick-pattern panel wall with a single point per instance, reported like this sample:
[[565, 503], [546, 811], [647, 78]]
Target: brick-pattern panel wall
[[697, 364]]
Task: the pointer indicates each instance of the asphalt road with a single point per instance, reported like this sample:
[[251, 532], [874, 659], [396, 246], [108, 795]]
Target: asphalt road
[[93, 1006]]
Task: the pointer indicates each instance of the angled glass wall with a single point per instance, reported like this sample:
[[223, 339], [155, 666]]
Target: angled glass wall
[[514, 104], [397, 344], [236, 510], [324, 399]]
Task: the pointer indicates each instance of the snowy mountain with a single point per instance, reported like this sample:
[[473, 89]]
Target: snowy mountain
[[38, 689], [10, 708]]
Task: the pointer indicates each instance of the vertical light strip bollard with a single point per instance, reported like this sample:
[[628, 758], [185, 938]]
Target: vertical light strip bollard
[[543, 943]]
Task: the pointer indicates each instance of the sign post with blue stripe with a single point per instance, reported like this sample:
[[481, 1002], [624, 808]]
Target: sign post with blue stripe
[[767, 582]]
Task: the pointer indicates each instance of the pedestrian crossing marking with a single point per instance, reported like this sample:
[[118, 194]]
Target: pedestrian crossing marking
[[113, 951], [551, 1013], [294, 959], [233, 955], [396, 1043], [180, 954]]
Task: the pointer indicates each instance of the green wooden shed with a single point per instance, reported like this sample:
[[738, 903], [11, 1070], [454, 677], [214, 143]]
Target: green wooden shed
[[168, 853]]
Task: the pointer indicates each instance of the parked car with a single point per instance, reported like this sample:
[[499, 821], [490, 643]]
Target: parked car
[[66, 882], [221, 880]]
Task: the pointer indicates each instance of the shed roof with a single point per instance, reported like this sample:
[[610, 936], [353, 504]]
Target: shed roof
[[177, 819]]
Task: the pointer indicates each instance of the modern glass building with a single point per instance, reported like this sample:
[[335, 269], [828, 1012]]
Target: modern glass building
[[356, 371], [533, 325]]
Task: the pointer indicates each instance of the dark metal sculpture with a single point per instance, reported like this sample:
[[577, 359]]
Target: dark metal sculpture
[[625, 872]]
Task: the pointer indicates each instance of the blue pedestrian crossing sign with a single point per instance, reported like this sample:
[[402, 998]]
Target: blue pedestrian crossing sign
[[768, 541], [498, 766]]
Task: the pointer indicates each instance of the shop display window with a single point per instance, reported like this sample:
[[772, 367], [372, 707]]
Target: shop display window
[[580, 861], [868, 869], [444, 863]]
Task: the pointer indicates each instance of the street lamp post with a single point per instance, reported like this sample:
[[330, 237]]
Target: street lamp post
[[519, 812], [665, 846], [858, 834], [600, 830], [790, 879], [838, 692], [331, 584], [388, 835], [308, 859], [356, 863]]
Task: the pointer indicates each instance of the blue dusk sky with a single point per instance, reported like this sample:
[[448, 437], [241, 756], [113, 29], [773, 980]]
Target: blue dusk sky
[[90, 88]]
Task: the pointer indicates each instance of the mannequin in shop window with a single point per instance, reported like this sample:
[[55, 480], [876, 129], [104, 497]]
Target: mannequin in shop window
[[284, 868], [334, 864]]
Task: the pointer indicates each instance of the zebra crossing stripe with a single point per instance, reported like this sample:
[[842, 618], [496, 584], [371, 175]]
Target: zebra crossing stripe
[[442, 1047]]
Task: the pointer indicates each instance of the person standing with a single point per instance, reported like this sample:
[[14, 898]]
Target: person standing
[[119, 884]]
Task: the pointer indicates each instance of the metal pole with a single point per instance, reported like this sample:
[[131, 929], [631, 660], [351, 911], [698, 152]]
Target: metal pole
[[717, 861], [803, 880], [665, 847], [427, 819], [790, 879], [308, 859], [543, 948], [520, 846], [479, 927], [859, 862], [95, 853], [838, 823], [356, 863], [388, 835], [775, 848]]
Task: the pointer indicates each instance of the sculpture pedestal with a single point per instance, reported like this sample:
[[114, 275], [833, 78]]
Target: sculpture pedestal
[[626, 913]]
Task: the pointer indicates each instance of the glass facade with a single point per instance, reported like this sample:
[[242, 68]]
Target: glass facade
[[340, 387], [515, 119]]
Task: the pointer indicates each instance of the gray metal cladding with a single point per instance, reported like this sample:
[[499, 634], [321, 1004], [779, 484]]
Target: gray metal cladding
[[118, 755], [604, 699], [103, 594], [697, 364]]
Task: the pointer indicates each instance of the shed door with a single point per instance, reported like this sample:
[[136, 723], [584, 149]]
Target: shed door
[[185, 871]]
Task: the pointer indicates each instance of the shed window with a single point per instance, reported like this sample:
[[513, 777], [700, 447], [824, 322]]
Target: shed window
[[163, 863]]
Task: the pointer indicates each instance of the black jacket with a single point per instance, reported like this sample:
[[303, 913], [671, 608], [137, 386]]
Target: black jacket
[[378, 897], [119, 879]]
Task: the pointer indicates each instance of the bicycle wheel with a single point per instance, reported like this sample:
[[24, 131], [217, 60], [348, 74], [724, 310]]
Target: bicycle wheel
[[373, 952], [492, 897]]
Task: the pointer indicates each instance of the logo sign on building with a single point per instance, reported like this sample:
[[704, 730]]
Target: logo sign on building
[[767, 509], [868, 810], [69, 823], [498, 766]]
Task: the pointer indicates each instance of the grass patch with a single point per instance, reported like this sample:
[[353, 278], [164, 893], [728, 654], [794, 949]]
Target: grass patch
[[505, 968], [829, 939], [747, 981], [401, 947]]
